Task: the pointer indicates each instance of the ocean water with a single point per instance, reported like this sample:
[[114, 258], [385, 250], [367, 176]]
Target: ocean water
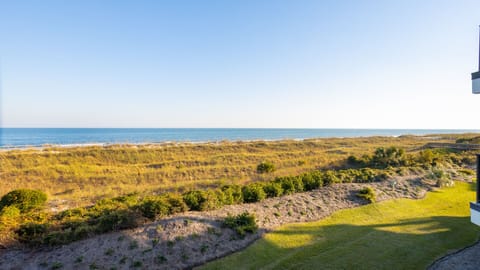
[[26, 137]]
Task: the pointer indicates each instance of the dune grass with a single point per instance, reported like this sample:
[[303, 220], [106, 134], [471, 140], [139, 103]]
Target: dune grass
[[82, 175], [397, 234]]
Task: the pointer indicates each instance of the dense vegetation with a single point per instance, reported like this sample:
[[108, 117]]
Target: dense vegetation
[[81, 176], [42, 227], [241, 224], [368, 194], [265, 167], [131, 210], [24, 200]]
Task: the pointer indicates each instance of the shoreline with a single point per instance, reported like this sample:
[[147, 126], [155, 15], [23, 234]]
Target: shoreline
[[217, 142], [135, 139]]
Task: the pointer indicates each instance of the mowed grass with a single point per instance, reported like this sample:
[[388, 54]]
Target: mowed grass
[[397, 234]]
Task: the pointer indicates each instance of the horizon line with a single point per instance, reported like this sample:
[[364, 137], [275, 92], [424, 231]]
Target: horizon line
[[362, 128]]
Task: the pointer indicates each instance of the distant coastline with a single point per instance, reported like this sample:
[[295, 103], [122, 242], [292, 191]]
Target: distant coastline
[[15, 138]]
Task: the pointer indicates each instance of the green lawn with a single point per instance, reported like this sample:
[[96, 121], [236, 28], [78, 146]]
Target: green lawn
[[397, 234]]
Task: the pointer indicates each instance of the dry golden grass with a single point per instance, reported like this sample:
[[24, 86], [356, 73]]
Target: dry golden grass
[[81, 175]]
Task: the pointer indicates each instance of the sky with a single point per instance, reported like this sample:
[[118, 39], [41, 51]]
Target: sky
[[244, 63]]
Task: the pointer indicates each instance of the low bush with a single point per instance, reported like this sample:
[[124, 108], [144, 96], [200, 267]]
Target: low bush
[[116, 220], [71, 213], [213, 200], [194, 199], [32, 233], [233, 194], [253, 193], [201, 200], [241, 224], [443, 179], [472, 140], [287, 185], [176, 204], [466, 171], [265, 167], [353, 161], [390, 156], [273, 189], [368, 194], [437, 174], [329, 177], [9, 216], [152, 207], [290, 184], [312, 180], [366, 175], [10, 212], [445, 182], [24, 199]]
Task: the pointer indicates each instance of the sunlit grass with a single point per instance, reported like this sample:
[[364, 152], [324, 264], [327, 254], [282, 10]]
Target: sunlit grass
[[81, 175], [397, 234]]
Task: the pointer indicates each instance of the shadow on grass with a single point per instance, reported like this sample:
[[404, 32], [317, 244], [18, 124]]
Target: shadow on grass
[[409, 244], [472, 186]]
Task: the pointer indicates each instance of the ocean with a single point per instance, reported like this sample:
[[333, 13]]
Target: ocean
[[28, 137]]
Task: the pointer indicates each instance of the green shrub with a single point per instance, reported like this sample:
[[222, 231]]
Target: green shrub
[[152, 207], [83, 231], [253, 193], [201, 200], [265, 167], [466, 171], [10, 212], [242, 224], [273, 189], [290, 184], [220, 196], [116, 220], [444, 182], [312, 180], [106, 205], [233, 194], [391, 156], [212, 200], [442, 178], [368, 194], [348, 176], [71, 213], [437, 174], [56, 265], [366, 175], [473, 140], [58, 238], [329, 177], [426, 157], [193, 199], [9, 216], [176, 204], [298, 183], [469, 160], [382, 176], [24, 199], [129, 200], [287, 184], [32, 233]]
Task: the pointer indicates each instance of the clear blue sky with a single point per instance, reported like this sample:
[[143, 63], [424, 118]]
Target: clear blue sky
[[299, 64]]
